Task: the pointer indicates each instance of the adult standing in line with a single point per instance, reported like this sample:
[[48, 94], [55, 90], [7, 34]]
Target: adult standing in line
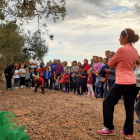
[[91, 63], [71, 85], [33, 64], [124, 61], [101, 62], [137, 94], [86, 67], [9, 71], [79, 64], [42, 62], [107, 54], [103, 75], [52, 73], [58, 71], [111, 72], [65, 66], [95, 67], [25, 66], [74, 71]]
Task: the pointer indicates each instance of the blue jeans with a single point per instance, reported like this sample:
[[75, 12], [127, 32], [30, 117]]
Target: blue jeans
[[98, 91], [16, 80], [105, 89], [111, 83]]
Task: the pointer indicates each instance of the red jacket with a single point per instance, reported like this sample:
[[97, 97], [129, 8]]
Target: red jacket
[[67, 78], [86, 67], [40, 81], [89, 80], [41, 70]]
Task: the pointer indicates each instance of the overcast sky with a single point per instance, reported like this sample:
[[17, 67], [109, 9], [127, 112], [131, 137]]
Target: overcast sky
[[90, 27]]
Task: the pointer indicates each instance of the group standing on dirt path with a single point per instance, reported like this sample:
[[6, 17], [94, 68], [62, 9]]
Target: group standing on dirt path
[[110, 78]]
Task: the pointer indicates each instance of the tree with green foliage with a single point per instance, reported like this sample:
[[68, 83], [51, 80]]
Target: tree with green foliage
[[25, 10], [16, 47]]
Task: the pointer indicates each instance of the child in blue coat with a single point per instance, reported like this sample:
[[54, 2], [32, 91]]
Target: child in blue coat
[[47, 77]]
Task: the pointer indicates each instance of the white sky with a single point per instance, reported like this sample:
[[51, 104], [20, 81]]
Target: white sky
[[89, 28]]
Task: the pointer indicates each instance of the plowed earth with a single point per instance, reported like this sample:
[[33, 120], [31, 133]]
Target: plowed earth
[[62, 116]]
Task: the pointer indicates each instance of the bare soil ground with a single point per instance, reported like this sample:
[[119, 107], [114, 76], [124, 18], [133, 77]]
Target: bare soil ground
[[62, 116]]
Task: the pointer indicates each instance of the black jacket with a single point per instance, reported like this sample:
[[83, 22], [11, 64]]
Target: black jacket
[[10, 70]]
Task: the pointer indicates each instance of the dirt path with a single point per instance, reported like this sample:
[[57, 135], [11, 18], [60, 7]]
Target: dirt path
[[62, 116]]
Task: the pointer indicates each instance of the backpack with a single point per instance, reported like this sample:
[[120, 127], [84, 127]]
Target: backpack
[[62, 81]]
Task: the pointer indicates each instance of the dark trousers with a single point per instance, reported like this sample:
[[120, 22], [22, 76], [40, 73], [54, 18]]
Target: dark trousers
[[51, 81], [111, 100], [42, 77], [16, 80], [27, 83], [38, 86], [71, 83], [22, 80], [67, 86], [74, 84], [46, 81], [85, 85], [32, 83], [94, 80], [80, 84], [8, 81], [111, 83]]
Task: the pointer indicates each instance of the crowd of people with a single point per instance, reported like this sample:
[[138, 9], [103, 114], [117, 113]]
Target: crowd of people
[[116, 75]]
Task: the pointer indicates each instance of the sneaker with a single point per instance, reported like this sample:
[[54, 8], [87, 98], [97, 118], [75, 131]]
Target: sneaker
[[67, 91], [81, 94], [106, 131], [8, 89], [21, 87], [78, 93], [15, 87], [11, 89], [73, 92], [24, 86], [129, 137], [138, 121]]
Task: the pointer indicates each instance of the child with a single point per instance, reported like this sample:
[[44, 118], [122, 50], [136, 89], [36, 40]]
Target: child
[[47, 77], [62, 81], [81, 76], [22, 73], [39, 82], [32, 74], [27, 77], [89, 84], [41, 70], [67, 80], [98, 85], [16, 78], [57, 83]]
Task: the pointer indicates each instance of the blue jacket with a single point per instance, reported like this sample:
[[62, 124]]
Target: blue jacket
[[49, 73], [102, 72], [52, 67], [97, 82]]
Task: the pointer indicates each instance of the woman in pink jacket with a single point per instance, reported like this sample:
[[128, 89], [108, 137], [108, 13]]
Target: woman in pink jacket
[[125, 84]]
